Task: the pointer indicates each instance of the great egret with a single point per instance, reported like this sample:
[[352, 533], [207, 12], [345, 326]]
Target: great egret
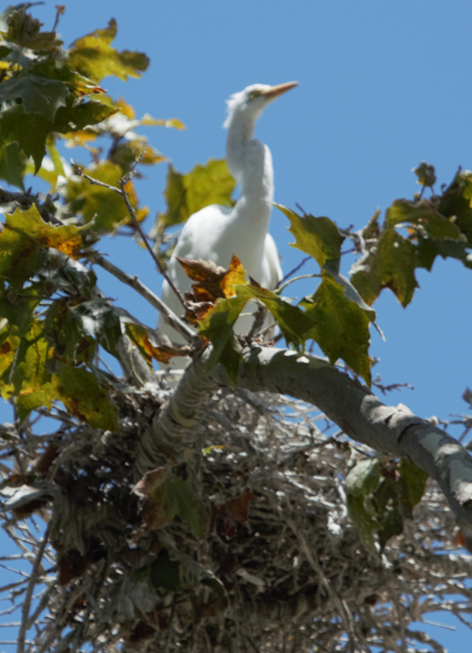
[[216, 232]]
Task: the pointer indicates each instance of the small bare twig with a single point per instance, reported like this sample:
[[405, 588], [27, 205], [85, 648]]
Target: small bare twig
[[122, 192], [169, 316], [29, 592], [302, 276], [289, 274]]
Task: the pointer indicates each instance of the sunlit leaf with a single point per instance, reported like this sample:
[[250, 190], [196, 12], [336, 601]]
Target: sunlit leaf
[[86, 398], [24, 239], [296, 325], [423, 214], [34, 386], [318, 237], [148, 121], [340, 327], [93, 56], [456, 202], [391, 265], [217, 326], [203, 185]]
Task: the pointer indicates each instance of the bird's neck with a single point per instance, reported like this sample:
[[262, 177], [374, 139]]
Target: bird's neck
[[249, 160], [240, 133]]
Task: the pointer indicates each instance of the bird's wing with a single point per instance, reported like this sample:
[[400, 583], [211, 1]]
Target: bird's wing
[[271, 270]]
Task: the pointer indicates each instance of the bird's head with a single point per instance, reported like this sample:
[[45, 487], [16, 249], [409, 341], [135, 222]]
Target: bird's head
[[251, 102]]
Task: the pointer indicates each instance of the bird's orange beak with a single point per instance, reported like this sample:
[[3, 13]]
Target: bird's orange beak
[[275, 91]]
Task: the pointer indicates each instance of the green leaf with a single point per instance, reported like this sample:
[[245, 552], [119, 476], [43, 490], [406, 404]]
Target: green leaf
[[296, 325], [86, 398], [164, 572], [364, 477], [31, 131], [456, 202], [97, 319], [391, 265], [211, 183], [363, 522], [426, 174], [169, 496], [33, 385], [24, 30], [37, 94], [341, 327], [318, 237], [24, 241], [390, 515], [424, 215], [19, 310], [12, 165], [106, 208], [414, 481], [93, 56], [218, 325]]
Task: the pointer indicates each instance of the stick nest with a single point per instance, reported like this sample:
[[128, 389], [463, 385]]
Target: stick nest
[[279, 566]]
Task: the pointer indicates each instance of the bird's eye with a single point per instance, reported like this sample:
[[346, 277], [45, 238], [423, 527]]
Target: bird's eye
[[254, 94]]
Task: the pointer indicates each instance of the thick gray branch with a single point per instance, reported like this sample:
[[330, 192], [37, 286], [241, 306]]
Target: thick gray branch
[[353, 407]]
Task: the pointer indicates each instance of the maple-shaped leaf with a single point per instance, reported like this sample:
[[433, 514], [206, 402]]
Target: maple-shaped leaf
[[31, 130], [456, 203], [93, 56], [86, 397], [186, 194], [295, 324], [318, 237], [32, 385], [24, 240], [340, 326], [424, 215], [37, 94], [25, 31], [390, 265]]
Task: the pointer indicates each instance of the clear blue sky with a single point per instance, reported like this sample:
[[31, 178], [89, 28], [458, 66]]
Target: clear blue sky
[[383, 85]]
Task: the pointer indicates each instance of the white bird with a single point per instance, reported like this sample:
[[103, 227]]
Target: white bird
[[216, 232]]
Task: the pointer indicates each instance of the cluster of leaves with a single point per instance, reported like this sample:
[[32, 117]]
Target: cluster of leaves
[[337, 314], [53, 318], [381, 494]]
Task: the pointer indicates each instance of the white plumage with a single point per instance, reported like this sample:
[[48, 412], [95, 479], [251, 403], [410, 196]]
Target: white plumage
[[216, 232]]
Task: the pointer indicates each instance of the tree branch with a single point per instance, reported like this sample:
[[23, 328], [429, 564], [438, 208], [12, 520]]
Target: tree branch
[[169, 316], [361, 415]]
